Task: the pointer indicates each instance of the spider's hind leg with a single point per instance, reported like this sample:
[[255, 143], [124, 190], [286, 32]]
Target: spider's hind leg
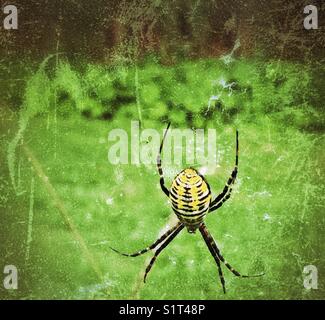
[[154, 245], [209, 240], [161, 248], [235, 272]]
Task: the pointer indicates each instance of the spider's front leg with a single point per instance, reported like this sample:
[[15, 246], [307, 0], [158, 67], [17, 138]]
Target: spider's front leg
[[226, 192]]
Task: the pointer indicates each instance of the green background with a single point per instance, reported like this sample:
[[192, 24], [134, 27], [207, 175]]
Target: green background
[[62, 203]]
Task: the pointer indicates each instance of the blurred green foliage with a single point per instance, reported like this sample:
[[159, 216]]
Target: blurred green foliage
[[274, 221], [191, 93]]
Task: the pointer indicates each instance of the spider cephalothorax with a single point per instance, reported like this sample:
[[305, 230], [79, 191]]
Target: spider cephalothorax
[[190, 197]]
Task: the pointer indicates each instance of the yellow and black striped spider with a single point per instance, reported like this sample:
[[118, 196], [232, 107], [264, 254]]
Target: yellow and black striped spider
[[190, 197]]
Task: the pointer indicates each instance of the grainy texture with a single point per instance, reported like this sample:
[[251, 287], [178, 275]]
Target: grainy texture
[[63, 204]]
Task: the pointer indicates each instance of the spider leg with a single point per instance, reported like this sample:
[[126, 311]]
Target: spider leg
[[205, 231], [160, 171], [209, 240], [161, 248], [154, 245], [226, 193]]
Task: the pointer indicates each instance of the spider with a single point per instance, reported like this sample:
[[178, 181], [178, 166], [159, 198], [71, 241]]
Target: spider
[[190, 197]]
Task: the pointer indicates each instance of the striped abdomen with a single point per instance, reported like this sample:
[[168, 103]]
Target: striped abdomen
[[190, 196]]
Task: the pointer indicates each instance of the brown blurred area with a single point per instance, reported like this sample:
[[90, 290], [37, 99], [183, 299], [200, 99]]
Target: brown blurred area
[[106, 30]]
